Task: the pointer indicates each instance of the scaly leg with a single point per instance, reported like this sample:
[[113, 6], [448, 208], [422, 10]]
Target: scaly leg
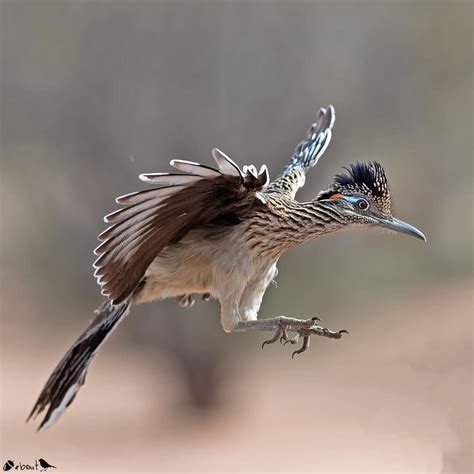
[[282, 324]]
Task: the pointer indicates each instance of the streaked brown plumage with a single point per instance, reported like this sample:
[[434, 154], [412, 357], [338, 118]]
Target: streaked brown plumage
[[218, 232]]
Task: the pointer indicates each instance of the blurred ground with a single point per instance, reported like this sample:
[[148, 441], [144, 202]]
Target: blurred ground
[[394, 396]]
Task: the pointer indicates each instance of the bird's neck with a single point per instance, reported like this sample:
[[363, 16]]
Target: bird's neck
[[313, 219], [287, 223]]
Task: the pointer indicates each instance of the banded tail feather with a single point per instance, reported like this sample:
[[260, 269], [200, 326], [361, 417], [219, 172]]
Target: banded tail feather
[[68, 376], [148, 221], [199, 231]]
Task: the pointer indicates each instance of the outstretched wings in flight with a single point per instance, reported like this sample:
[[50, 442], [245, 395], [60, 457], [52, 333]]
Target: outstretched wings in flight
[[306, 154], [154, 218]]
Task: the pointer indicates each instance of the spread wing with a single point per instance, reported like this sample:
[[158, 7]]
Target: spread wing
[[155, 218], [306, 154]]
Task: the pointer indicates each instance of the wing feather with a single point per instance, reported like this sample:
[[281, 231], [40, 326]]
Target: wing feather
[[155, 218], [168, 179], [135, 209], [306, 154], [121, 232], [225, 164], [195, 168], [140, 196]]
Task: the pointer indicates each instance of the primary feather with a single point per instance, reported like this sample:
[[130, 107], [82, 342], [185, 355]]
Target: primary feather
[[155, 218]]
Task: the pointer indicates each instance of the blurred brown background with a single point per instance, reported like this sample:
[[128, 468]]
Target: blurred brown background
[[95, 92]]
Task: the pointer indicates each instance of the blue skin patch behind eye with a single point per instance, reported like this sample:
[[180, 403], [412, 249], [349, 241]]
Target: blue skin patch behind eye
[[352, 199]]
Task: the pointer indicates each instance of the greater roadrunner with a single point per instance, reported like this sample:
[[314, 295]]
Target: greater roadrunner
[[218, 232]]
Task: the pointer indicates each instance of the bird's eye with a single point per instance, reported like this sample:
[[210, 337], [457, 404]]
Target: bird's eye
[[362, 204]]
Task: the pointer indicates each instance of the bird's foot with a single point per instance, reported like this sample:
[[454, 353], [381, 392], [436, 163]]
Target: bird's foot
[[280, 334], [303, 328], [311, 330], [186, 301]]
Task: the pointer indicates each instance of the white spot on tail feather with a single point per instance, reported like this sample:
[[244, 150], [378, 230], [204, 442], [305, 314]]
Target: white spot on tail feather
[[57, 412]]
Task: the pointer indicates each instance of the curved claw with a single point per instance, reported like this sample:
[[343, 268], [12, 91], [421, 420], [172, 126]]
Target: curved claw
[[339, 334], [268, 341], [277, 335], [305, 346], [284, 334], [299, 351], [315, 318], [186, 301], [293, 340]]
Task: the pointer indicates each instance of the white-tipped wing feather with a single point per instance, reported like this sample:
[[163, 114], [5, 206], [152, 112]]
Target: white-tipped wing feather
[[306, 154], [195, 168], [152, 219], [168, 179], [225, 164]]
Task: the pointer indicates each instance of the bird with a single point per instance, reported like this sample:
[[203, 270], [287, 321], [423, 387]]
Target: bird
[[219, 232], [45, 464]]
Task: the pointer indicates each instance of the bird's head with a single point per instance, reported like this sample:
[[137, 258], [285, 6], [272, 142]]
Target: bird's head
[[362, 197]]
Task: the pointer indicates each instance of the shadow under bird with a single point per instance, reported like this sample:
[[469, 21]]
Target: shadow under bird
[[219, 232]]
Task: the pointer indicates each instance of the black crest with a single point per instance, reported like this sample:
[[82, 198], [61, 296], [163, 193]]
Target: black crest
[[368, 178], [363, 178]]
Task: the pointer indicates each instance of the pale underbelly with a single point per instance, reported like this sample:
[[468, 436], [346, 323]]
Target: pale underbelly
[[171, 279], [198, 265]]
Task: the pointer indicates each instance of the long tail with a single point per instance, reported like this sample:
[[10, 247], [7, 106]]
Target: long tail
[[67, 378]]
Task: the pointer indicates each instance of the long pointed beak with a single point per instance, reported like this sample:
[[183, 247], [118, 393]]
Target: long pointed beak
[[399, 226]]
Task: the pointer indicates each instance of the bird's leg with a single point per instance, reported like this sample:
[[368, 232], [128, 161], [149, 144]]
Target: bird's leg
[[282, 324]]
